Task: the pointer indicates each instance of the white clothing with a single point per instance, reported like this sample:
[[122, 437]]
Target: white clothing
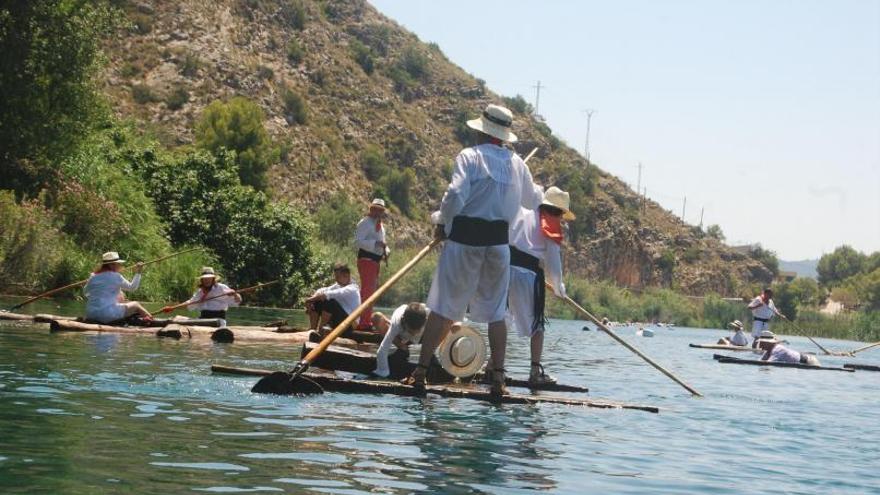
[[366, 237], [764, 311], [526, 235], [103, 290], [739, 338], [488, 182], [349, 296], [782, 354], [491, 183], [218, 304], [386, 347]]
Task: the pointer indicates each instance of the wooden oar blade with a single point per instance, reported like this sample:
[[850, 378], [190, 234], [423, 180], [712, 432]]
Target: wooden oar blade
[[285, 383]]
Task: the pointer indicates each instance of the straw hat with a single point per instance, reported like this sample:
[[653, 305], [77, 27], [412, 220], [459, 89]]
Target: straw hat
[[462, 353], [378, 203], [767, 336], [208, 272], [736, 324], [111, 257], [559, 199], [496, 122]]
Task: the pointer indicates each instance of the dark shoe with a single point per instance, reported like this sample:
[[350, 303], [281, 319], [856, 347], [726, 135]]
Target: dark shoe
[[537, 377], [499, 387]]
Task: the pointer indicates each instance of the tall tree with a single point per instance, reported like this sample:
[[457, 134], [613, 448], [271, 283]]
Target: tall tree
[[840, 264]]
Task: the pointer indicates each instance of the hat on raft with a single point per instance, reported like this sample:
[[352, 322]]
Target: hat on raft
[[558, 198], [462, 353], [736, 324], [208, 272], [496, 122], [111, 257]]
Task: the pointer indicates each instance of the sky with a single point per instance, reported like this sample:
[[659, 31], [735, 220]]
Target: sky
[[765, 115]]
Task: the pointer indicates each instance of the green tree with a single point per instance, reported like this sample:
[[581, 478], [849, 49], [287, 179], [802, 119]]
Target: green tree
[[843, 262], [338, 217], [806, 292], [50, 54], [237, 125], [714, 231], [766, 257]]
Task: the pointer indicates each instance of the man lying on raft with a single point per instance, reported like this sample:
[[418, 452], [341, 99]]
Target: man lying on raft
[[774, 351]]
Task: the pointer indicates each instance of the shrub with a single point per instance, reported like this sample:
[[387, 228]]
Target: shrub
[[264, 72], [518, 104], [293, 14], [766, 257], [414, 62], [362, 55], [295, 52], [398, 184], [337, 218], [177, 98], [143, 94], [691, 254], [237, 125], [714, 231], [29, 242], [295, 109], [373, 162], [190, 64]]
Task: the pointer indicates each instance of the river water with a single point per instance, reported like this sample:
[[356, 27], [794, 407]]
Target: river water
[[135, 414]]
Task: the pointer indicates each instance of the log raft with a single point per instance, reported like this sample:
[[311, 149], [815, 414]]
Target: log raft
[[757, 362], [861, 367], [722, 347], [473, 392]]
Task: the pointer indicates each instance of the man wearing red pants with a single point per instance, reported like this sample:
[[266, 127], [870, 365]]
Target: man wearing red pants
[[370, 240]]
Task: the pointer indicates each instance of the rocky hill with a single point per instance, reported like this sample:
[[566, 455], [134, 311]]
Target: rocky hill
[[344, 88]]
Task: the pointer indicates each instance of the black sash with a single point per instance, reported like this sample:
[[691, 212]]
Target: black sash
[[533, 264], [207, 313], [474, 231], [765, 320], [363, 253]]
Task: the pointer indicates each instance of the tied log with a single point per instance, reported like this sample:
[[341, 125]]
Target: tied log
[[861, 367], [355, 361], [722, 347], [334, 384], [757, 362]]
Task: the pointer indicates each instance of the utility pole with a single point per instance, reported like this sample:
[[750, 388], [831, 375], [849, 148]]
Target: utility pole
[[589, 113], [702, 210], [537, 96], [683, 205], [645, 200], [639, 183]]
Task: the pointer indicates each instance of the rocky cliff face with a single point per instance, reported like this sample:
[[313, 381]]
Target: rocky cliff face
[[368, 82]]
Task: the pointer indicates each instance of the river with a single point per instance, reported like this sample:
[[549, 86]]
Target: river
[[136, 414]]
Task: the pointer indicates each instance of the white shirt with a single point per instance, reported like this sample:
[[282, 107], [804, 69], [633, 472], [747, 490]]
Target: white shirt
[[396, 329], [765, 311], [366, 237], [739, 338], [349, 296], [488, 182], [526, 235], [782, 354], [103, 290], [219, 304]]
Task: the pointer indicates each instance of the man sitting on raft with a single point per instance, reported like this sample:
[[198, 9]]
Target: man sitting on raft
[[209, 298], [106, 303], [775, 352], [332, 305], [738, 339]]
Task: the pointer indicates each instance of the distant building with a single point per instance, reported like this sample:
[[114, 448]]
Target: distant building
[[744, 249]]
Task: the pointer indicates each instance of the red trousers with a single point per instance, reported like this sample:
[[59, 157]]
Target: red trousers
[[368, 271]]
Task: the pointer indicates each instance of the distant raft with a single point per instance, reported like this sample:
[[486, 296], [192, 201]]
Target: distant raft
[[757, 362]]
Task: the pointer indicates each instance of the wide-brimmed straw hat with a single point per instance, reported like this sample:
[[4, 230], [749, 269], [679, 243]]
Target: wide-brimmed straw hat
[[462, 353], [208, 272], [767, 336], [559, 199], [378, 203], [495, 121], [736, 324], [111, 257]]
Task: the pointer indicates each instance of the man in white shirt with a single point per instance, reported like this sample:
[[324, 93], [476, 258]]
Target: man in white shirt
[[404, 328], [369, 238], [331, 305], [489, 184], [739, 338], [762, 309], [212, 298]]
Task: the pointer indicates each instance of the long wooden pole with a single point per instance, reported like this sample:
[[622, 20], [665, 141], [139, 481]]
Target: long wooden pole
[[624, 343], [865, 348], [799, 329], [230, 293], [83, 282]]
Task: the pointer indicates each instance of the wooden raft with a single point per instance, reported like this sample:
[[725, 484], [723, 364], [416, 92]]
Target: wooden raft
[[721, 347], [354, 361], [861, 367], [757, 362], [335, 384]]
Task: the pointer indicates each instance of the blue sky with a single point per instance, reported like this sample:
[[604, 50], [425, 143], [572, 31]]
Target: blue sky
[[765, 113]]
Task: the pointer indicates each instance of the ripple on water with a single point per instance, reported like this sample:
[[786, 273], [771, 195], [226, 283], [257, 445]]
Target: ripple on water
[[318, 457], [212, 466], [236, 489]]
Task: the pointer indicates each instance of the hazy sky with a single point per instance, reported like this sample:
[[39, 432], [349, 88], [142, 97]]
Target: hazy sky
[[766, 113]]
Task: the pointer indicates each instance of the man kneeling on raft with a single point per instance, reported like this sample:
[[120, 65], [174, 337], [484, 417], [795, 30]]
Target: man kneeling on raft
[[404, 328], [331, 305]]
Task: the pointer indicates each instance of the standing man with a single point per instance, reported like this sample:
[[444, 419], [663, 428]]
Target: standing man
[[762, 309], [489, 185], [535, 251], [370, 240], [332, 305]]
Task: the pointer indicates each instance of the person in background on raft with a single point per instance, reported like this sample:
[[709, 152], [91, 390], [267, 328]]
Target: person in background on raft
[[535, 251], [762, 309], [106, 302], [775, 352], [489, 185], [331, 305], [404, 328], [210, 287], [739, 338], [369, 237]]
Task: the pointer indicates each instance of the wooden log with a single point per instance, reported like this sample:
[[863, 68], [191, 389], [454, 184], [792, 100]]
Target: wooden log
[[472, 392], [9, 316], [861, 367], [757, 362], [722, 347]]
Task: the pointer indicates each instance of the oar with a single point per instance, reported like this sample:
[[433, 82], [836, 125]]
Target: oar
[[865, 348], [292, 382], [83, 282], [624, 343], [799, 329], [169, 309], [530, 154]]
